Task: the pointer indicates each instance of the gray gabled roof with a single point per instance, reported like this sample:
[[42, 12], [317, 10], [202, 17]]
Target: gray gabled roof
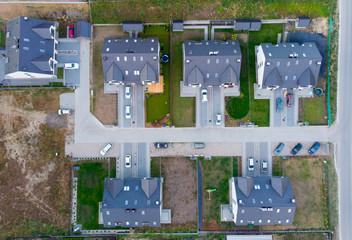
[[29, 45], [290, 65], [132, 26], [135, 58], [264, 200], [132, 202], [245, 184], [115, 187], [208, 62], [82, 29], [279, 184], [149, 186]]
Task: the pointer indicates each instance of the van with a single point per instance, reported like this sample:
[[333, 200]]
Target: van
[[204, 96], [106, 149], [198, 145]]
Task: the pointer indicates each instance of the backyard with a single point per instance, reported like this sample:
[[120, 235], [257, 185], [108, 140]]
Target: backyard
[[167, 10], [158, 105], [313, 111], [90, 189], [182, 108], [179, 191], [305, 175], [216, 175]]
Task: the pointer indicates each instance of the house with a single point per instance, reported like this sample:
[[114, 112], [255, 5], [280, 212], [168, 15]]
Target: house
[[260, 201], [82, 29], [131, 61], [287, 65], [31, 49], [132, 202], [211, 63]]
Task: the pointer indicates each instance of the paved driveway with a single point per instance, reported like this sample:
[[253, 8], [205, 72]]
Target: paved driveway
[[218, 106], [140, 160], [69, 52], [277, 115], [259, 151]]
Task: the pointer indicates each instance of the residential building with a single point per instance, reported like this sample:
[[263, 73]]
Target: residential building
[[131, 61], [287, 65], [211, 63], [132, 202], [260, 201], [31, 49]]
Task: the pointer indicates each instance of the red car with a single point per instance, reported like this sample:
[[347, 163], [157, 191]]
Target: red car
[[289, 100], [71, 31]]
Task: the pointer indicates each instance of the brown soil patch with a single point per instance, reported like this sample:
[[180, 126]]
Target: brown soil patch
[[99, 33], [44, 11], [34, 176], [180, 189], [317, 25]]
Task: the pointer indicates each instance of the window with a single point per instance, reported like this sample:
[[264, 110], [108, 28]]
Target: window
[[141, 58], [208, 61], [241, 221], [154, 223], [125, 58], [310, 62], [42, 50], [208, 75], [42, 42], [26, 48], [136, 223], [289, 210], [227, 60], [268, 221], [118, 59], [270, 200], [216, 75], [267, 186], [8, 34], [217, 60], [297, 62], [278, 64], [287, 221], [260, 221], [136, 188], [270, 54], [279, 222], [136, 72], [256, 186], [126, 188], [135, 202], [286, 77], [134, 58], [127, 223], [107, 212], [253, 200], [126, 72], [126, 202], [288, 64], [152, 49], [109, 223], [294, 78], [143, 212], [242, 211], [26, 39], [148, 202], [278, 210]]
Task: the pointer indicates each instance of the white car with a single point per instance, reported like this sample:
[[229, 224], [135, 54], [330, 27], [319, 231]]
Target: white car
[[71, 65], [128, 112], [250, 164], [106, 149], [64, 111], [204, 96], [218, 119], [128, 161], [128, 92]]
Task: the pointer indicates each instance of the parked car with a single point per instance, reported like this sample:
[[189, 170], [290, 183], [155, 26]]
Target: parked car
[[71, 31], [204, 95], [64, 111], [127, 92], [289, 100], [75, 167], [128, 112], [314, 148], [278, 104], [218, 119], [71, 65], [264, 166], [160, 145], [296, 149], [279, 148], [106, 149], [250, 164], [198, 145], [128, 161]]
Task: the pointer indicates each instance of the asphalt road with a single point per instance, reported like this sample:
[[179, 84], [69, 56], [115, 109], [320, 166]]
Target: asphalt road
[[344, 119]]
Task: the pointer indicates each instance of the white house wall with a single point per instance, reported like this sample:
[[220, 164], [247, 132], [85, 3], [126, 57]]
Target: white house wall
[[233, 199], [260, 66], [27, 75]]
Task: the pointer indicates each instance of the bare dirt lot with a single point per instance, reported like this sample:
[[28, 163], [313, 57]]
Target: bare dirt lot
[[180, 189], [44, 11], [34, 174]]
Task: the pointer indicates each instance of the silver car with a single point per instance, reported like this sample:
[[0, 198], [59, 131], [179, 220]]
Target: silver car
[[106, 149]]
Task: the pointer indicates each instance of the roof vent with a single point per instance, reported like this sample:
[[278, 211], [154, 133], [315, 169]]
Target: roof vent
[[268, 63], [157, 202], [107, 49], [238, 60], [291, 55], [188, 61], [109, 41], [25, 18], [240, 201], [319, 63], [105, 58], [190, 52], [155, 57], [293, 200]]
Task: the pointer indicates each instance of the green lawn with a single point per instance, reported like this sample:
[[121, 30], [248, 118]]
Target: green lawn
[[238, 107], [158, 105], [60, 73], [155, 169], [2, 38], [235, 167], [314, 111], [112, 168], [260, 112], [91, 177], [166, 10]]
